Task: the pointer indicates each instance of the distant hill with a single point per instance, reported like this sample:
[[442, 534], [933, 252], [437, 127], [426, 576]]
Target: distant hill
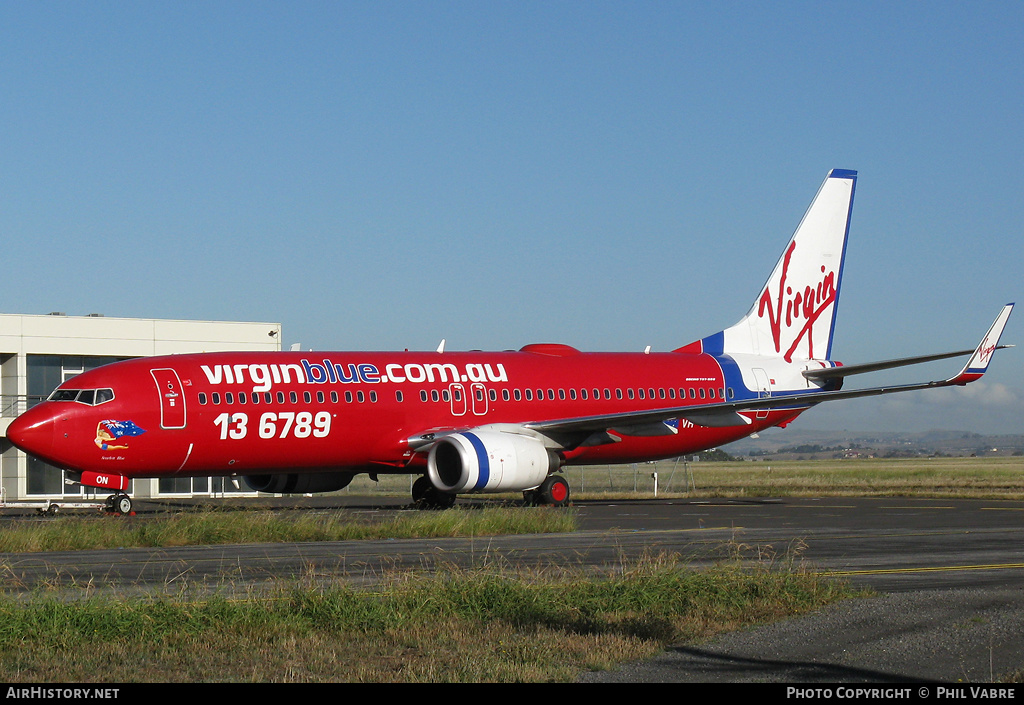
[[818, 444]]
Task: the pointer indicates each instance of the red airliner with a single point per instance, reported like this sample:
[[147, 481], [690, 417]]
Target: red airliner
[[470, 422]]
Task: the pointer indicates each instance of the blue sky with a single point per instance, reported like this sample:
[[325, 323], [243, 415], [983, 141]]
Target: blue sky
[[608, 175]]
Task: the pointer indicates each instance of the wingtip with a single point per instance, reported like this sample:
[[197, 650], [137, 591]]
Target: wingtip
[[983, 354]]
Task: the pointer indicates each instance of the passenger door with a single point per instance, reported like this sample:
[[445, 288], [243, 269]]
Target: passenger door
[[172, 398]]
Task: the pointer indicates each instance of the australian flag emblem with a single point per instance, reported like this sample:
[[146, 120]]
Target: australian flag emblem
[[112, 434], [118, 429]]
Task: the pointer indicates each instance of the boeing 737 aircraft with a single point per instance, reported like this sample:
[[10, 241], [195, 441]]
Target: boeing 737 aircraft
[[470, 422]]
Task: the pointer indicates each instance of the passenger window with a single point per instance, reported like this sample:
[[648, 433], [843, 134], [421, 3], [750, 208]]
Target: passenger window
[[202, 398]]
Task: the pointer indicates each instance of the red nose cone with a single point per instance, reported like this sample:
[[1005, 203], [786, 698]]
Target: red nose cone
[[33, 432]]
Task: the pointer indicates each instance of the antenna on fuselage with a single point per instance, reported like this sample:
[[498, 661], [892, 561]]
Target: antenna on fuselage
[[440, 348]]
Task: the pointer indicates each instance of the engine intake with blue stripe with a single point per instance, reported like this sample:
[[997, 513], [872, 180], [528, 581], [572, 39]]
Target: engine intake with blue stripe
[[489, 461]]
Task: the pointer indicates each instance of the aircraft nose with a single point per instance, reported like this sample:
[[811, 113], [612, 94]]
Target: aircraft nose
[[33, 432]]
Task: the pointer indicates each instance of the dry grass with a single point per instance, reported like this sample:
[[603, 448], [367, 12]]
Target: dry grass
[[981, 478]]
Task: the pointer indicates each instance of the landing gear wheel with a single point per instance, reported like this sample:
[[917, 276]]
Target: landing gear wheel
[[554, 491], [119, 504], [427, 496]]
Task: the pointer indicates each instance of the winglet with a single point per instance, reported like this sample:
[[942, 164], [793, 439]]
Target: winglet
[[982, 356]]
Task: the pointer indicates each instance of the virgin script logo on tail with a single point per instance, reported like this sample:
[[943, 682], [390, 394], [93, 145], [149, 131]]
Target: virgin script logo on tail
[[986, 351], [787, 309]]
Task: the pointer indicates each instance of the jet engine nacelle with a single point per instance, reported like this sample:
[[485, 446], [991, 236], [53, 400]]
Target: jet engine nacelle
[[299, 483], [489, 461]]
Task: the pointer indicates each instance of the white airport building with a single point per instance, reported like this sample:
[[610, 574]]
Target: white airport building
[[39, 352]]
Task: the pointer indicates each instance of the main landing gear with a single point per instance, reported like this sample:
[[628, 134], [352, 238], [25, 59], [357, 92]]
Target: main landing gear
[[554, 491], [118, 503], [427, 496]]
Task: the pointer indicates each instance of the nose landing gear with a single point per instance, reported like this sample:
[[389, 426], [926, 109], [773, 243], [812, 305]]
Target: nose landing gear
[[119, 503]]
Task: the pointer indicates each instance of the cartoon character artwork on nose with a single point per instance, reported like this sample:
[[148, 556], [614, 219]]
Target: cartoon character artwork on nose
[[110, 430]]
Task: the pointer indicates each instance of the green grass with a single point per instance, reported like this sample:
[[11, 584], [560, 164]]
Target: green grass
[[481, 625], [70, 533]]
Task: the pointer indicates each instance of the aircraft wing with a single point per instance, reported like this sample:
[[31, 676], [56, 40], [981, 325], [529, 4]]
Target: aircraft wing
[[593, 430]]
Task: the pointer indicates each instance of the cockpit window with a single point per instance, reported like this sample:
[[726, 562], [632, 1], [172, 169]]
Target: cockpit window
[[90, 397], [63, 395], [104, 395]]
